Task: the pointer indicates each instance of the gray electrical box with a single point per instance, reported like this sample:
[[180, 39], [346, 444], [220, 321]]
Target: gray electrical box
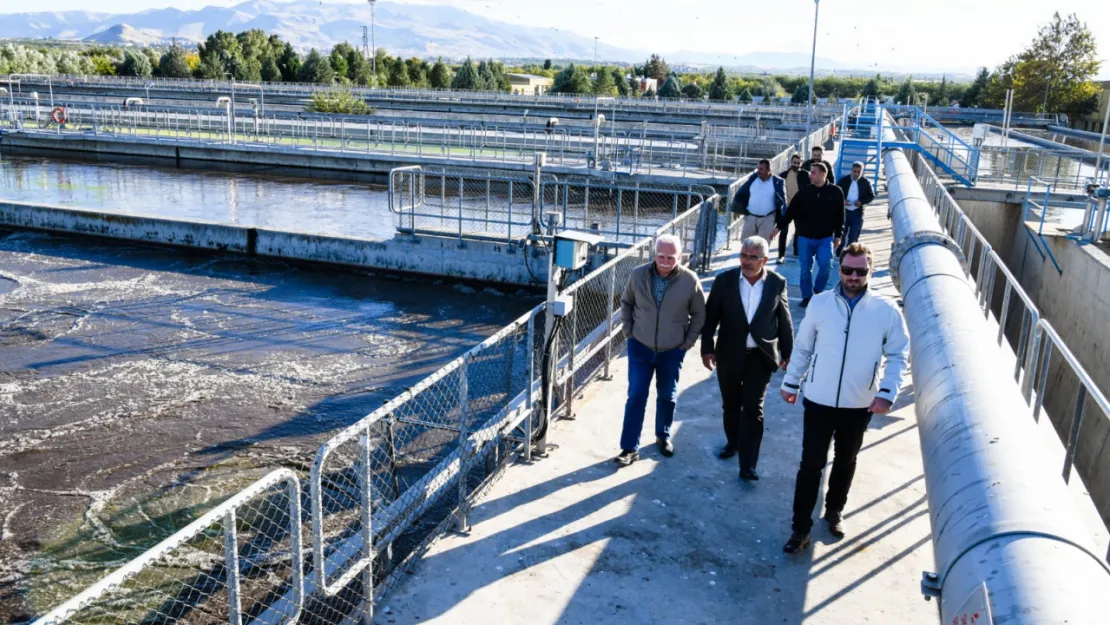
[[572, 248]]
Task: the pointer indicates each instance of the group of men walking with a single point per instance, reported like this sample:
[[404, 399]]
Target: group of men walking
[[847, 359], [826, 217]]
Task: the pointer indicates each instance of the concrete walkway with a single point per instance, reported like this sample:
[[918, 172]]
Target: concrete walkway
[[573, 539]]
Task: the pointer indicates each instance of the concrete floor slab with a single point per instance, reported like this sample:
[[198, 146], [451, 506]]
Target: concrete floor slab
[[572, 539]]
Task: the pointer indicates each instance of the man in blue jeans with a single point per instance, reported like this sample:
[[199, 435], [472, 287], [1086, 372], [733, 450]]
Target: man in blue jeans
[[818, 215], [662, 311]]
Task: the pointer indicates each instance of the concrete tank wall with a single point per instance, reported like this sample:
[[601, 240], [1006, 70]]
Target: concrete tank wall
[[1077, 304], [482, 261]]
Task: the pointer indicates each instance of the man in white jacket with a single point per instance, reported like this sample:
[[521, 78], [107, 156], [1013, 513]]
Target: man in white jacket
[[848, 336]]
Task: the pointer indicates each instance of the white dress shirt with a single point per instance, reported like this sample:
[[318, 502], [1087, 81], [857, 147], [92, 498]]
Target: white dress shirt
[[853, 196], [750, 295], [761, 202]]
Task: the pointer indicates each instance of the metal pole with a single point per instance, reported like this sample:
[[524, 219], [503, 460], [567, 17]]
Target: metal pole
[[1101, 143], [812, 61]]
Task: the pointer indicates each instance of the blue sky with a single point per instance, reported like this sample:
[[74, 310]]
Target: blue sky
[[942, 34]]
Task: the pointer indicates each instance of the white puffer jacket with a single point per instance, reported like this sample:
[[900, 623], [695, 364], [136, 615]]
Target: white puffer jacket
[[839, 351]]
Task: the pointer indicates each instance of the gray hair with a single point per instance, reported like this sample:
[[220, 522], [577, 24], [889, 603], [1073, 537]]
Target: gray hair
[[759, 243], [857, 164], [669, 238]]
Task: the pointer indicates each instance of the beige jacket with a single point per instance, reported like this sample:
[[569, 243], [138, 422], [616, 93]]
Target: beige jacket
[[675, 323]]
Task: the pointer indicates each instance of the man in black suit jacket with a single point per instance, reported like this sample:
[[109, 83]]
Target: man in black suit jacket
[[750, 306]]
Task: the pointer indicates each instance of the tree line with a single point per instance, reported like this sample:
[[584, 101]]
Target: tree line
[[1053, 73]]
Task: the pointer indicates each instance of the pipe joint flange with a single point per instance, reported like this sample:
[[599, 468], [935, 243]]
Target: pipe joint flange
[[922, 237]]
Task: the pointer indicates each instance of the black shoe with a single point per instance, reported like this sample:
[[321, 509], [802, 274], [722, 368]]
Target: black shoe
[[749, 475], [726, 452], [836, 525], [666, 447], [805, 302], [627, 457], [797, 543]]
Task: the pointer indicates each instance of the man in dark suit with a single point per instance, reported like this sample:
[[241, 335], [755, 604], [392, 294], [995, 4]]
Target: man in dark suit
[[749, 305]]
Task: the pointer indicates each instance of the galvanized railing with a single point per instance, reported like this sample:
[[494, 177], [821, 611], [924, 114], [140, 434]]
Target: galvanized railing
[[383, 488], [677, 105], [1077, 404], [471, 142], [1017, 165]]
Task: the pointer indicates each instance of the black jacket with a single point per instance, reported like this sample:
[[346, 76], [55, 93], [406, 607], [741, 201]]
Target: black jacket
[[771, 326], [803, 177], [831, 172], [817, 212], [866, 193]]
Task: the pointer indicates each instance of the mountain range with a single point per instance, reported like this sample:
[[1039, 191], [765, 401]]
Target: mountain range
[[405, 29]]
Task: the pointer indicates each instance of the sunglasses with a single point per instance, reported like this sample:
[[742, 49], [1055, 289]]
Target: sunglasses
[[859, 271]]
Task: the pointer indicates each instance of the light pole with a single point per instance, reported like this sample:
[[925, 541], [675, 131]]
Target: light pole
[[595, 52], [373, 43], [812, 60]]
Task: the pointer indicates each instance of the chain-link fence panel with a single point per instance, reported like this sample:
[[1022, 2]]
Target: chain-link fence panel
[[239, 561]]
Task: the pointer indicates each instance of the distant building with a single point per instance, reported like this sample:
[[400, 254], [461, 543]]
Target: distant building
[[648, 83], [1093, 122], [529, 84]]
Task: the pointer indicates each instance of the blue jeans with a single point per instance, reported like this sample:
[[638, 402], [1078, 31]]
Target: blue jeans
[[823, 249], [853, 225], [643, 363]]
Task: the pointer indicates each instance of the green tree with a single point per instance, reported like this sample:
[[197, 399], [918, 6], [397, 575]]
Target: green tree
[[316, 68], [466, 78], [670, 88], [941, 94], [398, 74], [721, 90], [253, 44], [907, 92], [633, 86], [656, 68], [620, 83], [173, 63], [248, 69], [547, 64], [873, 88], [135, 63], [603, 82], [801, 94], [217, 53], [289, 63], [692, 91], [745, 95], [441, 75], [337, 58], [972, 97], [337, 100], [573, 79], [270, 71], [359, 71], [1055, 72], [418, 72]]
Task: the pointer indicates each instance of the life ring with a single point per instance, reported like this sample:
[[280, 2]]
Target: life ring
[[58, 115]]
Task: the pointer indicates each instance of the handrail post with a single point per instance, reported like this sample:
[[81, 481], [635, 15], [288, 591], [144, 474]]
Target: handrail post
[[463, 514]]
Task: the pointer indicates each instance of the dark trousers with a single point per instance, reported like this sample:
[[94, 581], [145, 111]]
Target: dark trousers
[[743, 387], [783, 236], [853, 226], [643, 364], [823, 424]]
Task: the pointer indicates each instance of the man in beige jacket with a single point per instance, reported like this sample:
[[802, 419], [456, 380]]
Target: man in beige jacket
[[662, 310]]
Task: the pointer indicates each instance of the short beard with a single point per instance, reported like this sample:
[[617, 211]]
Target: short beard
[[853, 292]]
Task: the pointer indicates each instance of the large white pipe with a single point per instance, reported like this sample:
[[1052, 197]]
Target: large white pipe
[[1001, 514]]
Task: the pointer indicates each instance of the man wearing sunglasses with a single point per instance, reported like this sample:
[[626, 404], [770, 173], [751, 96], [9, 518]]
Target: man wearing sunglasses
[[851, 353]]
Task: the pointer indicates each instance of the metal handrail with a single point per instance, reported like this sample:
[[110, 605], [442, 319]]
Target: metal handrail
[[1031, 364]]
